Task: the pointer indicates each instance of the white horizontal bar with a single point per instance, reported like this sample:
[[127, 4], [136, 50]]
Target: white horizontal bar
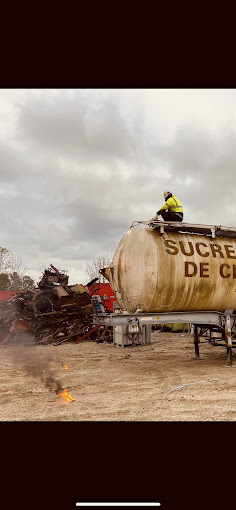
[[118, 504]]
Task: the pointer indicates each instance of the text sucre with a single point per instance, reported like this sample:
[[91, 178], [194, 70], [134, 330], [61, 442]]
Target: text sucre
[[189, 248]]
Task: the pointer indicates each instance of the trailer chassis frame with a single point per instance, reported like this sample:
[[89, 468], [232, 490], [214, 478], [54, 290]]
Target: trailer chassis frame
[[224, 322]]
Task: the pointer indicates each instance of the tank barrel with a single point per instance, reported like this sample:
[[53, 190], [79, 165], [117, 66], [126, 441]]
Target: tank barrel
[[156, 271]]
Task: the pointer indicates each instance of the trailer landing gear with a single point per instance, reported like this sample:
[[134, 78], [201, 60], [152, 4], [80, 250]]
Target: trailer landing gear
[[196, 342], [228, 339]]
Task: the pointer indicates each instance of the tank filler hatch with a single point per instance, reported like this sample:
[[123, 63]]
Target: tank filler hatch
[[190, 228]]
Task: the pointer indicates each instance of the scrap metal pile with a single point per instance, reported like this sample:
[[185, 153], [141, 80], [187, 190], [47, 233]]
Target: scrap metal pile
[[54, 312]]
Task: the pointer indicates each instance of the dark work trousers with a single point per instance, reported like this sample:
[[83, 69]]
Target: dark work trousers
[[171, 216]]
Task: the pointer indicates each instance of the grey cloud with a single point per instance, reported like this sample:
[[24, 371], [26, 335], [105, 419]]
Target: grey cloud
[[77, 126], [202, 167], [13, 164], [193, 151], [79, 171]]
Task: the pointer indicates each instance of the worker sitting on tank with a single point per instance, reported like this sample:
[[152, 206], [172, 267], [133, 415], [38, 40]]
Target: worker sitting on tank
[[171, 210]]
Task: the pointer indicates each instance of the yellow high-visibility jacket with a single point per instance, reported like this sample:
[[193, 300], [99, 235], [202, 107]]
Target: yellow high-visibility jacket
[[173, 204]]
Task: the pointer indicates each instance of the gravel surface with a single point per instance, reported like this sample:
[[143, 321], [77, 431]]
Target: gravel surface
[[159, 382]]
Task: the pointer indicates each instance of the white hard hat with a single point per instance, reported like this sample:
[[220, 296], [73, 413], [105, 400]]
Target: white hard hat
[[166, 193]]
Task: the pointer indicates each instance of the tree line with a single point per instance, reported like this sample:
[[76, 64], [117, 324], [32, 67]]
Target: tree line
[[13, 272]]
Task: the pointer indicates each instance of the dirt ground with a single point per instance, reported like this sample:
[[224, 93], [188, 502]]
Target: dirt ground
[[158, 382]]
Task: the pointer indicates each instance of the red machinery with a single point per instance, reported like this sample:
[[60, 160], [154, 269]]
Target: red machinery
[[103, 290]]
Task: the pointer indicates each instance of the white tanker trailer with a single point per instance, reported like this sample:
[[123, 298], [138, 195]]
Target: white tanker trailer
[[165, 272]]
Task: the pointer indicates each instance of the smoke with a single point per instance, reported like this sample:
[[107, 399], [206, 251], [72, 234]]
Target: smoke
[[34, 366]]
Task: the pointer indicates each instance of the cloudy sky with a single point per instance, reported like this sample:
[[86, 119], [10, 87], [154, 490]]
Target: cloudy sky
[[78, 166]]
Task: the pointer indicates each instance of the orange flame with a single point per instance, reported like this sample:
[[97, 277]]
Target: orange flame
[[65, 367], [66, 395]]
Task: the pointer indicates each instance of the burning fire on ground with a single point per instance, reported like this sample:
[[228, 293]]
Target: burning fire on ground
[[40, 368], [66, 395]]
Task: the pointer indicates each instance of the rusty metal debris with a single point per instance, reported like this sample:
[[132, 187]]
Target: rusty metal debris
[[55, 312]]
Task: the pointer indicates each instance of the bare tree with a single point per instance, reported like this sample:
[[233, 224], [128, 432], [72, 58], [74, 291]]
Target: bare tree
[[92, 269], [12, 272], [5, 260], [18, 266]]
